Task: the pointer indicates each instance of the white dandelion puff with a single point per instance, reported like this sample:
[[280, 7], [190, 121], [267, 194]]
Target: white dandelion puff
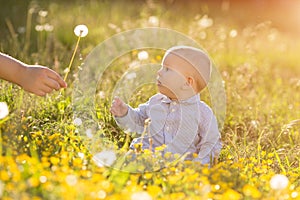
[[143, 55], [3, 110], [77, 121], [48, 27], [279, 182], [80, 155], [43, 13], [233, 33], [71, 180], [81, 30], [142, 195], [205, 22], [105, 158], [39, 28], [153, 20], [89, 133]]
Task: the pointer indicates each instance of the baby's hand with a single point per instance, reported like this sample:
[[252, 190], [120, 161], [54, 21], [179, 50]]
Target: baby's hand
[[118, 108]]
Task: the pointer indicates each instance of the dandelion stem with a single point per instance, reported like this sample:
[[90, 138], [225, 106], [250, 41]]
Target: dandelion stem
[[72, 59]]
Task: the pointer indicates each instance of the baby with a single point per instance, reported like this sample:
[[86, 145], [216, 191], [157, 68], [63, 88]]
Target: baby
[[179, 119]]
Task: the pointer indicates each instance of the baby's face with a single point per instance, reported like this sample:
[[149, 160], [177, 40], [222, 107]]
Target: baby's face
[[172, 76]]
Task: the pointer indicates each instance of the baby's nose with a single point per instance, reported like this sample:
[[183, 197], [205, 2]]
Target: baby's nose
[[159, 72]]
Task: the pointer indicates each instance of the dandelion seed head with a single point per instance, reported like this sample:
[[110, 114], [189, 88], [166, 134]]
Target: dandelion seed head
[[233, 33], [101, 194], [43, 179], [102, 95], [143, 55], [71, 180], [153, 20], [279, 182], [89, 133], [294, 194], [43, 13], [77, 121], [81, 30], [3, 110], [39, 28], [80, 155], [205, 22], [21, 29], [141, 196], [48, 27]]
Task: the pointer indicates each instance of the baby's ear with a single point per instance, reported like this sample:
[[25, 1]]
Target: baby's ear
[[189, 83]]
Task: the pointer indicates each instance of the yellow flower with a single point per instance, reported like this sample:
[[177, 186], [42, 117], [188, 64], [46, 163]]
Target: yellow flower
[[148, 176], [4, 176], [251, 191], [177, 195], [232, 195], [154, 190], [54, 160], [33, 182]]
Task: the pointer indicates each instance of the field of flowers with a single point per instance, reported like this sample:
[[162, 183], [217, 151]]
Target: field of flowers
[[44, 156]]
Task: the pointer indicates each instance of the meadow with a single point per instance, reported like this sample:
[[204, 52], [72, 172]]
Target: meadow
[[44, 156]]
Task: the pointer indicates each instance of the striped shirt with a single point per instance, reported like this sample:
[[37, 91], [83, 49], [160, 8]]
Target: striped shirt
[[187, 126]]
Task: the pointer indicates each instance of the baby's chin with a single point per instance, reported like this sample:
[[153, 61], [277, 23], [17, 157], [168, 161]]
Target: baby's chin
[[163, 90]]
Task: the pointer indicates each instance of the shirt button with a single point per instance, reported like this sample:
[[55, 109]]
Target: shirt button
[[167, 128], [173, 110]]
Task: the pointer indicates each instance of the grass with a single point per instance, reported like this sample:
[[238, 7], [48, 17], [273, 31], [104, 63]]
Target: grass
[[44, 157]]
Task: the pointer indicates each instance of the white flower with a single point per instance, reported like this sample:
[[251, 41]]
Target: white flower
[[81, 30], [279, 182], [143, 55], [77, 121], [3, 110], [105, 158], [142, 195]]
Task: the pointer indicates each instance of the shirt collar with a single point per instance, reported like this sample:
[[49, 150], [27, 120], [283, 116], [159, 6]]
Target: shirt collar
[[191, 100]]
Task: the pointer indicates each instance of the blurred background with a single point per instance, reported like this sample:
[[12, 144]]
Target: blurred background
[[32, 24]]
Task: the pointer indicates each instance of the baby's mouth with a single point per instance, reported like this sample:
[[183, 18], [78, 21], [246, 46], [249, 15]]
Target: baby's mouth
[[158, 82]]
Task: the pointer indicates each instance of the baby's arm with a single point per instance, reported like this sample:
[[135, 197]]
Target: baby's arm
[[36, 79], [127, 117]]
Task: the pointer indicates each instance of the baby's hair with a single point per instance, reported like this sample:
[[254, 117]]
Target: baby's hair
[[198, 59]]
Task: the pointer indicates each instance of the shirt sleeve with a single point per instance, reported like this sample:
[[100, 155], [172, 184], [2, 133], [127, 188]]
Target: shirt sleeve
[[134, 120], [210, 144]]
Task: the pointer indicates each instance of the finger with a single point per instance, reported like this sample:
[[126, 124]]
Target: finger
[[52, 84], [39, 93], [46, 89], [55, 76]]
